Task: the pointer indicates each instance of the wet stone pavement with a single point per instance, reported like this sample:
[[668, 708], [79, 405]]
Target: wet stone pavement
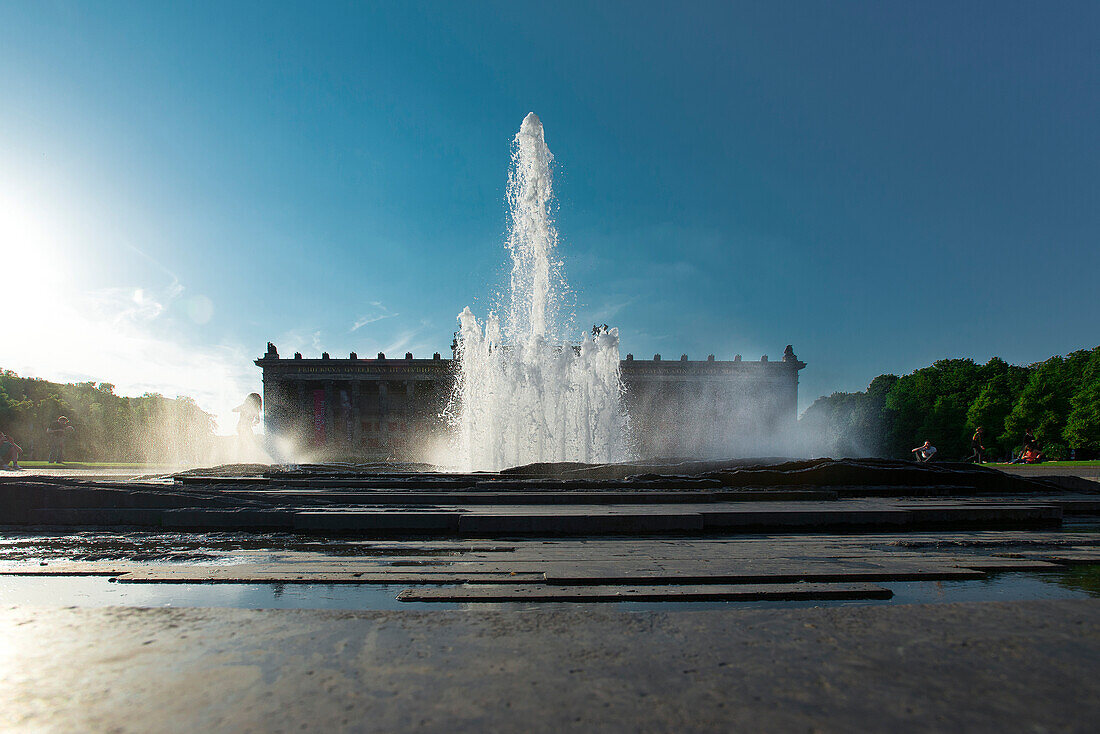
[[827, 596]]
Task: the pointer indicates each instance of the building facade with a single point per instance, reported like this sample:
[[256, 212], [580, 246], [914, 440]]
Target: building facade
[[384, 408]]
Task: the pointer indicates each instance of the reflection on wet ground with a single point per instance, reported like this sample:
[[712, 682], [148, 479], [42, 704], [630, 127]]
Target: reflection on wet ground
[[97, 591], [1081, 578], [64, 544], [65, 552], [138, 546]]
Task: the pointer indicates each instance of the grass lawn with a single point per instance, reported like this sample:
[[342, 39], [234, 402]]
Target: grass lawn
[[1053, 463]]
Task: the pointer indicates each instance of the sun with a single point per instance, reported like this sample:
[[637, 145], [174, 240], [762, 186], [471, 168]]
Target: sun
[[30, 240], [37, 279]]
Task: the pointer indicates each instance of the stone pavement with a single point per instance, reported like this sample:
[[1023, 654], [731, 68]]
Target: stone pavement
[[519, 550], [816, 566], [1022, 666], [1051, 470]]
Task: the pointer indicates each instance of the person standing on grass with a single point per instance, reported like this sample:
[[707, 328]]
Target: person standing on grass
[[9, 451], [56, 433], [976, 447], [924, 452], [1029, 440]]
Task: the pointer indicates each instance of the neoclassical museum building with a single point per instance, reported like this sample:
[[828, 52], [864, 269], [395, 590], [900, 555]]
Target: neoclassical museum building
[[359, 408]]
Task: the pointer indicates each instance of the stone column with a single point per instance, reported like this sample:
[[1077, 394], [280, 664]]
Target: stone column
[[718, 432], [356, 415], [792, 399], [272, 402], [383, 415], [303, 415], [330, 423], [289, 419], [267, 398]]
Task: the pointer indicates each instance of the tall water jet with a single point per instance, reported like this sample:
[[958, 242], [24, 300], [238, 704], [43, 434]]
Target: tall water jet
[[523, 392]]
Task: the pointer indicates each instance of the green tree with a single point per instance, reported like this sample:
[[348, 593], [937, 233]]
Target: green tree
[[931, 403], [848, 424], [989, 411], [1044, 402], [108, 427], [1082, 429]]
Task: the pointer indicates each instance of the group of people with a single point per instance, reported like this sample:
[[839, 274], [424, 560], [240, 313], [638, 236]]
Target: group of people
[[56, 434], [1029, 454]]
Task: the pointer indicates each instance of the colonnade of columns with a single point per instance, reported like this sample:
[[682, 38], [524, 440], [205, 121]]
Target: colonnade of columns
[[672, 410], [356, 416], [672, 416]]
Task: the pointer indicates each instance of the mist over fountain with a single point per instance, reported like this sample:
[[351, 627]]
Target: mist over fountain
[[523, 392]]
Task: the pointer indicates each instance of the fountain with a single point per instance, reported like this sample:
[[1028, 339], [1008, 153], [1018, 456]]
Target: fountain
[[523, 392]]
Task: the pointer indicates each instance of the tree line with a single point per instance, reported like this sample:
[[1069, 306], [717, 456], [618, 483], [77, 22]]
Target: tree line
[[107, 427], [1059, 399]]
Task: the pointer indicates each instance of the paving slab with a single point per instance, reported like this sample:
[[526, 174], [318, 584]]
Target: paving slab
[[680, 592], [1022, 666], [362, 520], [732, 500], [60, 570], [1078, 506], [371, 496], [1051, 469], [790, 574], [1082, 557], [276, 576], [690, 517], [741, 518], [578, 523], [620, 560], [993, 565]]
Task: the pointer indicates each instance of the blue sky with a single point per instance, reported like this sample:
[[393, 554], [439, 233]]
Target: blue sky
[[880, 184]]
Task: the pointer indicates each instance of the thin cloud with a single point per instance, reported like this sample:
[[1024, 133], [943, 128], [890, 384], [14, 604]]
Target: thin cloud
[[176, 287], [309, 343], [380, 312], [405, 339], [611, 309]]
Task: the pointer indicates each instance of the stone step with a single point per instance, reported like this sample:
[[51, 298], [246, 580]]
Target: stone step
[[340, 521], [370, 497], [546, 593], [564, 519], [478, 523]]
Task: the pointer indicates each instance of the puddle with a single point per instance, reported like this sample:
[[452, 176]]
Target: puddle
[[1082, 582], [33, 547], [97, 591]]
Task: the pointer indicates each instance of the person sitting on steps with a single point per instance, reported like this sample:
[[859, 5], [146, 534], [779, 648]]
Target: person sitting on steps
[[924, 453]]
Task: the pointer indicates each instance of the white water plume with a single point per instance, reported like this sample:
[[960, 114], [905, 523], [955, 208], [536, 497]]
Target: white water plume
[[523, 394]]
